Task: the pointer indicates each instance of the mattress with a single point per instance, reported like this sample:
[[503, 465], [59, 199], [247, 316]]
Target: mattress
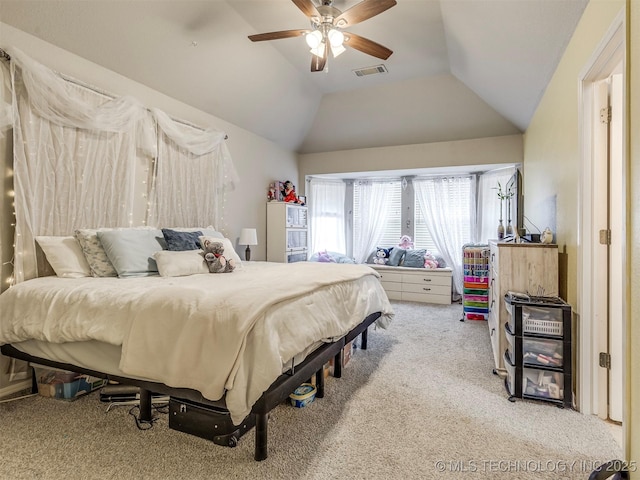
[[220, 334], [105, 358]]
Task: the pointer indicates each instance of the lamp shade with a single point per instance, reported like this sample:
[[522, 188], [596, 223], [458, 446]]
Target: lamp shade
[[314, 38], [248, 236]]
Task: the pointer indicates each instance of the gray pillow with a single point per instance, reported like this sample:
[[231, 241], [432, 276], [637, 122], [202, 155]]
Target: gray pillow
[[131, 251], [395, 257], [440, 260], [180, 241], [414, 258]]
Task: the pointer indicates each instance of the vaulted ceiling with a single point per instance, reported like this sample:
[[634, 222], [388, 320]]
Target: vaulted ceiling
[[460, 68]]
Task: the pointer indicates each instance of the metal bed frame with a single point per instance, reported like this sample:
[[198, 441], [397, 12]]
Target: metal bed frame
[[279, 390]]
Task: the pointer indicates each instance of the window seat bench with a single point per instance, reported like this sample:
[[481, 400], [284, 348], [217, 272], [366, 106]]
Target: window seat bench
[[416, 284]]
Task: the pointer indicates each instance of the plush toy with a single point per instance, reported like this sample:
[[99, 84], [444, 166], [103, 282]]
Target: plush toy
[[405, 242], [271, 195], [382, 256], [325, 257], [213, 254], [430, 261], [289, 193]]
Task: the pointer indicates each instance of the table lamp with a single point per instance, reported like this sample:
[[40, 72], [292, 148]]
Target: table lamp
[[248, 236]]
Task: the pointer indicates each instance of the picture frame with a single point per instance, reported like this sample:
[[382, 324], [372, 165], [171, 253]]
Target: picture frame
[[302, 198]]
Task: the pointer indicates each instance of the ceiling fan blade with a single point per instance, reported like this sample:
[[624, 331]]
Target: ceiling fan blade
[[318, 63], [307, 7], [366, 46], [276, 35], [363, 11]]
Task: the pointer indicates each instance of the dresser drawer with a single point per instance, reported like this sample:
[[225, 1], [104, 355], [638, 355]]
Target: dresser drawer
[[427, 289], [393, 295], [426, 297], [391, 286], [427, 279], [390, 276]]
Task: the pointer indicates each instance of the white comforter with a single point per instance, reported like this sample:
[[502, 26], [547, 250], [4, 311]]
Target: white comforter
[[215, 333]]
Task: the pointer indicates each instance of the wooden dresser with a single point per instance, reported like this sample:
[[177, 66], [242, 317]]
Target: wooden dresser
[[416, 284], [526, 267]]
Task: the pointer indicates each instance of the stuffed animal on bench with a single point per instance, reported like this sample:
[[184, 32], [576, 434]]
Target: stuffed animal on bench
[[382, 256], [217, 262], [430, 260]]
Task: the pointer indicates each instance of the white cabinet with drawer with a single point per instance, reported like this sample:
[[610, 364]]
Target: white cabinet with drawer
[[416, 284], [287, 232]]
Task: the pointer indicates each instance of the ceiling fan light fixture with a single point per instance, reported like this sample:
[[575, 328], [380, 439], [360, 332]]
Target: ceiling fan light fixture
[[337, 50], [313, 39], [319, 50], [336, 37]]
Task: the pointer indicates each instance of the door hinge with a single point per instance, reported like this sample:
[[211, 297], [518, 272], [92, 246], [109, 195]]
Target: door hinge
[[605, 115], [605, 360], [605, 237]]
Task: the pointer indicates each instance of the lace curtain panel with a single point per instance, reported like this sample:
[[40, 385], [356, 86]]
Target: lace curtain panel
[[326, 212], [75, 159], [65, 177], [190, 190], [446, 214], [368, 227]]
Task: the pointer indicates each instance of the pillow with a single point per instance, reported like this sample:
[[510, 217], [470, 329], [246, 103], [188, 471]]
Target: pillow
[[130, 251], [179, 241], [345, 259], [179, 263], [229, 252], [440, 259], [414, 258], [65, 256], [209, 231], [396, 255], [372, 256], [95, 255]]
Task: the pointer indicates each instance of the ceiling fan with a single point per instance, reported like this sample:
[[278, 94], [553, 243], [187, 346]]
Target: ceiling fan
[[326, 32]]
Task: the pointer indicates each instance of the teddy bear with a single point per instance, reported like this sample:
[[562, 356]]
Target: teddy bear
[[430, 261], [382, 256], [405, 242], [217, 262]]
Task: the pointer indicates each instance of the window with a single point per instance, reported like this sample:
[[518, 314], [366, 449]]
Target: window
[[421, 237], [458, 198], [440, 213]]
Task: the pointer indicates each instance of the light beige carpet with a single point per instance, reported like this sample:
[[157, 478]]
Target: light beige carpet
[[420, 403]]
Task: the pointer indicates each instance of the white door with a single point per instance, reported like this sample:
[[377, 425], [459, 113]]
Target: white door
[[609, 230], [616, 254]]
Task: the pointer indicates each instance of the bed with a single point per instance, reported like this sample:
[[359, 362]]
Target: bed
[[239, 341]]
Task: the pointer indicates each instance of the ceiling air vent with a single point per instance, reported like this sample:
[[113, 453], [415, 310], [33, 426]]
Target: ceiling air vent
[[363, 72]]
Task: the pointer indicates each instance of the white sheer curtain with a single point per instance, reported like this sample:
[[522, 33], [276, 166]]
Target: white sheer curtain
[[75, 161], [326, 215], [53, 98], [65, 176], [369, 225], [489, 203], [194, 172], [449, 218]]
